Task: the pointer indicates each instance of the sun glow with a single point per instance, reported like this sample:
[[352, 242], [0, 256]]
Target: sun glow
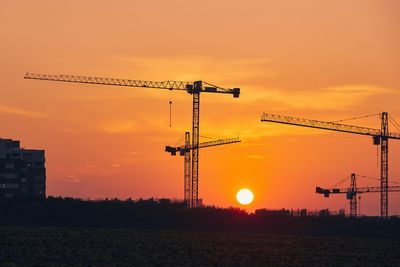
[[244, 196]]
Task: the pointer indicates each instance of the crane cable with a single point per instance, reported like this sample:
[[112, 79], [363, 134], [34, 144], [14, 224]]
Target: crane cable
[[207, 137], [374, 178], [179, 141], [340, 182], [218, 87], [363, 176], [394, 123], [360, 117]]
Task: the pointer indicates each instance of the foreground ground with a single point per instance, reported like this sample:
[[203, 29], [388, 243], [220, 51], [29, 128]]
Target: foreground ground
[[23, 246]]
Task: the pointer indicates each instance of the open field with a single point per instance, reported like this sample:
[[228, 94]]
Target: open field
[[25, 246]]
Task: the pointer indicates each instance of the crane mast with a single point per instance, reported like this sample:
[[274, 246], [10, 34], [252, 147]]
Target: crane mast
[[380, 137], [384, 164], [352, 195], [194, 198], [194, 88], [187, 172], [185, 151]]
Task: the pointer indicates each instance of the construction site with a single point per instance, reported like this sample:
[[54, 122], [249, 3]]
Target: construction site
[[199, 133], [189, 146]]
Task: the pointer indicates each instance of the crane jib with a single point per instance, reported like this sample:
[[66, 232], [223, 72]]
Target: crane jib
[[360, 190], [331, 126], [218, 142], [169, 85]]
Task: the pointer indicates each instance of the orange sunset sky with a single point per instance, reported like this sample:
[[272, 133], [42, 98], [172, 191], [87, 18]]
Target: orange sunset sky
[[325, 60]]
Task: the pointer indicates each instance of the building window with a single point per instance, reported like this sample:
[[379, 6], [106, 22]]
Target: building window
[[10, 176], [15, 144], [9, 186], [9, 165]]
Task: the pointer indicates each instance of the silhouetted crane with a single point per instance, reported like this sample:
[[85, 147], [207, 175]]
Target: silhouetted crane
[[353, 191], [184, 150], [380, 137], [193, 88]]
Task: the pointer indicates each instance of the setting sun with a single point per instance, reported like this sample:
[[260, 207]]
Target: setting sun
[[244, 196]]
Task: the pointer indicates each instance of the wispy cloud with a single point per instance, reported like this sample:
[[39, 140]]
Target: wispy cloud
[[337, 97], [242, 116], [119, 126], [254, 156], [70, 178], [246, 70], [74, 131], [132, 153], [5, 109], [331, 103]]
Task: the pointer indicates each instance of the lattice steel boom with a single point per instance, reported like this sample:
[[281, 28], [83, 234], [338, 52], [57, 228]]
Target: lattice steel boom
[[324, 125], [169, 85], [360, 190]]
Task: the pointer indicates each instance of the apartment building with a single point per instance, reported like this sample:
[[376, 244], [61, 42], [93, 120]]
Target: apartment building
[[22, 171]]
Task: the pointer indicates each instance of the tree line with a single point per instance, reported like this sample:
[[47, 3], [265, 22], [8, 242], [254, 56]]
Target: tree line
[[166, 215]]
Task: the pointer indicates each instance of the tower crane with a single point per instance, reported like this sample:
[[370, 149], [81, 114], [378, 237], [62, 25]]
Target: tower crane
[[194, 88], [380, 137], [353, 191], [184, 150]]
